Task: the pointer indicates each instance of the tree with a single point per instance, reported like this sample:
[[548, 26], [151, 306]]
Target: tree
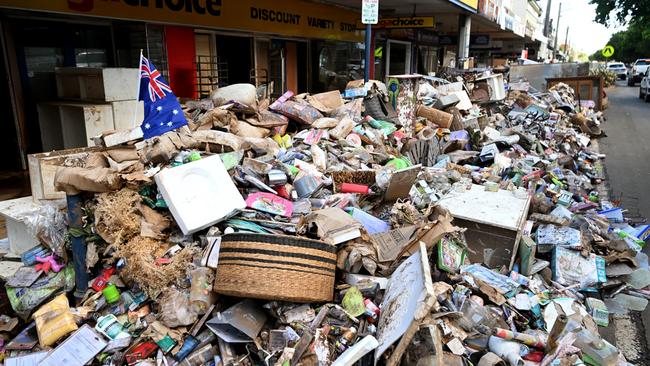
[[630, 44], [624, 11]]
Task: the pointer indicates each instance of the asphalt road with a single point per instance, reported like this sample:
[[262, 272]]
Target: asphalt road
[[627, 166]]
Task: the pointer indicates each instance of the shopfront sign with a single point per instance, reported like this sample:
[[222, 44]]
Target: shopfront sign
[[471, 5], [288, 18], [402, 22]]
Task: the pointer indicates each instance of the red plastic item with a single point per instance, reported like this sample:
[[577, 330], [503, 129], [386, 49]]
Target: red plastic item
[[102, 280], [140, 352], [282, 191], [355, 188], [535, 356]]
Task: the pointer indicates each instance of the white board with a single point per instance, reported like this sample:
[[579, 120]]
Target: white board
[[409, 297], [501, 209]]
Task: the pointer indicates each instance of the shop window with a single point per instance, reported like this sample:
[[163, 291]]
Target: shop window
[[91, 57], [42, 59], [339, 63]]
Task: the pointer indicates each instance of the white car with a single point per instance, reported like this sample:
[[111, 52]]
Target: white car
[[639, 68], [618, 68], [644, 88]]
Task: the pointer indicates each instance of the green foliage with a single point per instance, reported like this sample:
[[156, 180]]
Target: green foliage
[[623, 11], [629, 44], [609, 78]]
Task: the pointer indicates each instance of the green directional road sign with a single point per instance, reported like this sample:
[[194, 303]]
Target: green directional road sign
[[608, 51]]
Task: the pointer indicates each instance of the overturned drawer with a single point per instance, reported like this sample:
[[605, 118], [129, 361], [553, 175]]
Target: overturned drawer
[[494, 221]]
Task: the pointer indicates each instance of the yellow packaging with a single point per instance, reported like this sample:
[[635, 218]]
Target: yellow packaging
[[54, 320]]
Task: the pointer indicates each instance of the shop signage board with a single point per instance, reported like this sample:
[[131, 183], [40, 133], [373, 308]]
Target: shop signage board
[[471, 5], [370, 11], [402, 22], [288, 17]]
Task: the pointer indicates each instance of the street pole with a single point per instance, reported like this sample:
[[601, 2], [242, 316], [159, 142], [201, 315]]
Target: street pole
[[566, 44], [557, 31], [366, 73], [547, 18]]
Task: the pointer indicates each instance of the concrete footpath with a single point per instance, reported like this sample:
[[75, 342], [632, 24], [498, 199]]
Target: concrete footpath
[[627, 167]]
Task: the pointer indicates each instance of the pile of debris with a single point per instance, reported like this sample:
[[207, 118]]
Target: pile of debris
[[415, 227]]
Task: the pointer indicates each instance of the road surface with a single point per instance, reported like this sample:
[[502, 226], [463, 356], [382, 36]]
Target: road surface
[[627, 166]]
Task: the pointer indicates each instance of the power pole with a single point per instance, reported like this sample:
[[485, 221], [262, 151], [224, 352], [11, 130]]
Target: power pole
[[547, 18], [557, 31], [566, 44]]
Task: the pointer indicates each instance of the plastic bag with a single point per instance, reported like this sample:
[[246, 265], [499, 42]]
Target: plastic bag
[[25, 299], [47, 223], [54, 320], [175, 309]]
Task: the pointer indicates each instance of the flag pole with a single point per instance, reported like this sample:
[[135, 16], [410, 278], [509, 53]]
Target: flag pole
[[137, 94]]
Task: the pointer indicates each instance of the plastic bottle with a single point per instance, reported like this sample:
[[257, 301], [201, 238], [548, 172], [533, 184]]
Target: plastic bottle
[[199, 357], [598, 349], [201, 295], [354, 353], [509, 351], [109, 326]]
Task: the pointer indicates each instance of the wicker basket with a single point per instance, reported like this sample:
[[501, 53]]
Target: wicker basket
[[275, 267]]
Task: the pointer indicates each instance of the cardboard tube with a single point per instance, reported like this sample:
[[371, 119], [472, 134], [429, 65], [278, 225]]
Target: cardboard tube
[[556, 331], [442, 119]]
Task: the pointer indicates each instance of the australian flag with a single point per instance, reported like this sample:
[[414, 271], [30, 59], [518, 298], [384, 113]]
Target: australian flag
[[162, 112]]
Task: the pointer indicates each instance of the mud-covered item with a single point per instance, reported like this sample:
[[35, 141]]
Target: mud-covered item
[[300, 112], [54, 320], [276, 267], [25, 299]]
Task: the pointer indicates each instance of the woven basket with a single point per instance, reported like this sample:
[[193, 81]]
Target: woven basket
[[276, 267]]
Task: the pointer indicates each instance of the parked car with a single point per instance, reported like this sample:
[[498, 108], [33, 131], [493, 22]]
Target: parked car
[[639, 68], [644, 88], [618, 68]]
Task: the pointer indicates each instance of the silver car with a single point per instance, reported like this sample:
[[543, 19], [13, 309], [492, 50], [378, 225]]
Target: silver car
[[617, 68]]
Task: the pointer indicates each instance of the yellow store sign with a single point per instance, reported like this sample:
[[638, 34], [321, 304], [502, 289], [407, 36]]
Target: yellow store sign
[[471, 5], [289, 18]]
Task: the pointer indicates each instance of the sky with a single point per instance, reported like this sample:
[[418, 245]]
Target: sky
[[584, 33]]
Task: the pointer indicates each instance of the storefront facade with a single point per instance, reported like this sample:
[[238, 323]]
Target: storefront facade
[[197, 44]]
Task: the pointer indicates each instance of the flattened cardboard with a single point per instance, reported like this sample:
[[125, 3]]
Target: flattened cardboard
[[73, 180], [401, 182], [333, 225], [391, 243], [24, 277]]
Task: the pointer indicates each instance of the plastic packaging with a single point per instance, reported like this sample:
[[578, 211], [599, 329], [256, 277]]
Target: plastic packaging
[[596, 348], [47, 223], [175, 309], [54, 320], [24, 299], [570, 267], [201, 295]]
